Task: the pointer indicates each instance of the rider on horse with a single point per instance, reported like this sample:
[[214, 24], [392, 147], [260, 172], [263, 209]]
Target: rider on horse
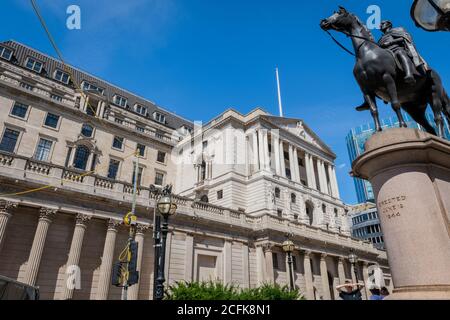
[[400, 43]]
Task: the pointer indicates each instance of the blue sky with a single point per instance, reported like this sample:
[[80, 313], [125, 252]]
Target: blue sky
[[198, 57]]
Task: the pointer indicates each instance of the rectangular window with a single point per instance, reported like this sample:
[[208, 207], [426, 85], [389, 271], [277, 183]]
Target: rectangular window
[[56, 97], [62, 76], [19, 110], [118, 143], [120, 101], [118, 120], [159, 117], [113, 169], [91, 110], [161, 158], [26, 86], [140, 129], [139, 177], [275, 260], [141, 150], [9, 140], [51, 120], [141, 109], [43, 150], [34, 65], [91, 87], [219, 194], [5, 53], [159, 179]]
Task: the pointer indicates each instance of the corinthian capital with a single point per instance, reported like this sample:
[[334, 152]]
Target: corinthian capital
[[5, 206], [82, 219], [47, 213], [113, 224]]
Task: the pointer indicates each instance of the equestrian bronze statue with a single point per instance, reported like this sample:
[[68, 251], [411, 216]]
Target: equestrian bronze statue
[[393, 71]]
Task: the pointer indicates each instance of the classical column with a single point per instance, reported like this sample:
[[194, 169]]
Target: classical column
[[291, 163], [296, 166], [255, 151], [334, 182], [365, 272], [188, 273], [262, 157], [133, 291], [266, 151], [313, 173], [45, 219], [308, 170], [245, 265], [282, 162], [324, 276], [277, 157], [74, 254], [5, 215], [104, 281], [227, 259], [322, 177], [269, 277], [308, 275], [341, 270], [168, 257], [260, 265]]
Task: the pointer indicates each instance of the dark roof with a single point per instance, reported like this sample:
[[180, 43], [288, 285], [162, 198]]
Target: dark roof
[[22, 52]]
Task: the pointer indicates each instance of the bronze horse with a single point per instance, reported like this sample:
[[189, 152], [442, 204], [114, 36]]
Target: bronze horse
[[378, 75]]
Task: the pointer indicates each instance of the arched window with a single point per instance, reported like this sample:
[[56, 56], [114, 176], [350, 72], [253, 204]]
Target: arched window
[[336, 213], [87, 130], [293, 198], [81, 157], [310, 213], [277, 193], [203, 171], [204, 199], [324, 208]]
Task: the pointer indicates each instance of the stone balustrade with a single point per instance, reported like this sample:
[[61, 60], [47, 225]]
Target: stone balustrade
[[49, 174]]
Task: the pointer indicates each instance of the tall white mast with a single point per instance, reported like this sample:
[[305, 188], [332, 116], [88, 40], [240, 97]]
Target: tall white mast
[[280, 105]]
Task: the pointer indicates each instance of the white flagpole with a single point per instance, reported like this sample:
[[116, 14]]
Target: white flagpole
[[280, 105]]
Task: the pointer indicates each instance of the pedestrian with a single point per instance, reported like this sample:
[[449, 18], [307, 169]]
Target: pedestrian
[[384, 292], [376, 294], [350, 291]]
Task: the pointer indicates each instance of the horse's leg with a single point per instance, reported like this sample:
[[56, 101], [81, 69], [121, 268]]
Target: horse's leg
[[392, 91], [437, 102], [372, 102], [417, 112]]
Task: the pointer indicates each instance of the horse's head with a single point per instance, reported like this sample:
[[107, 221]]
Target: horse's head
[[339, 21]]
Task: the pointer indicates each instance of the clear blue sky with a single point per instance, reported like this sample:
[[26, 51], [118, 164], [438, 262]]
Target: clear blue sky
[[198, 57]]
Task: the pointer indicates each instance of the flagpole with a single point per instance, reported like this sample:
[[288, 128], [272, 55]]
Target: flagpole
[[280, 105]]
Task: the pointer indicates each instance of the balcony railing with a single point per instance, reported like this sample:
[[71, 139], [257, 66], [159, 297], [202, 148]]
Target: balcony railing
[[19, 168]]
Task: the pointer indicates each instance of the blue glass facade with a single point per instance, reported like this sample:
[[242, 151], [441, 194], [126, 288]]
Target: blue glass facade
[[358, 137]]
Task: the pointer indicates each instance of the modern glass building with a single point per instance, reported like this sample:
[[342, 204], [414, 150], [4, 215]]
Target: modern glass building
[[365, 224], [358, 137]]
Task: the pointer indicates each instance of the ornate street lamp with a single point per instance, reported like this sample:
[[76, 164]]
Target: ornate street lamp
[[166, 208], [353, 258], [288, 247], [431, 15]]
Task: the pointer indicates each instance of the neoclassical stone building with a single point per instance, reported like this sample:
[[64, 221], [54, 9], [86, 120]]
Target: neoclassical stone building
[[243, 182]]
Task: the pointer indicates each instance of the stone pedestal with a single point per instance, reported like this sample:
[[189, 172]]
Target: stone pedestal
[[410, 174]]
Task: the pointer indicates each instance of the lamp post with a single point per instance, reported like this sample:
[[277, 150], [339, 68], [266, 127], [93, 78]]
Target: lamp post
[[431, 15], [166, 208], [288, 247], [353, 258]]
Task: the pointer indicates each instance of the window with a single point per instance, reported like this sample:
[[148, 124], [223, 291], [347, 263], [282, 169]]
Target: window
[[91, 109], [34, 65], [159, 179], [9, 140], [56, 97], [293, 198], [219, 194], [118, 143], [139, 175], [120, 101], [81, 158], [62, 76], [5, 53], [87, 130], [279, 213], [277, 193], [161, 157], [91, 87], [159, 117], [113, 169], [19, 110], [140, 109], [336, 214], [51, 120], [275, 260], [204, 199], [205, 145], [43, 150], [324, 208], [141, 150], [118, 120], [140, 129], [26, 86]]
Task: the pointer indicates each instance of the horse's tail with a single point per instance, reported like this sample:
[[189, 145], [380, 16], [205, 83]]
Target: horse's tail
[[446, 107]]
